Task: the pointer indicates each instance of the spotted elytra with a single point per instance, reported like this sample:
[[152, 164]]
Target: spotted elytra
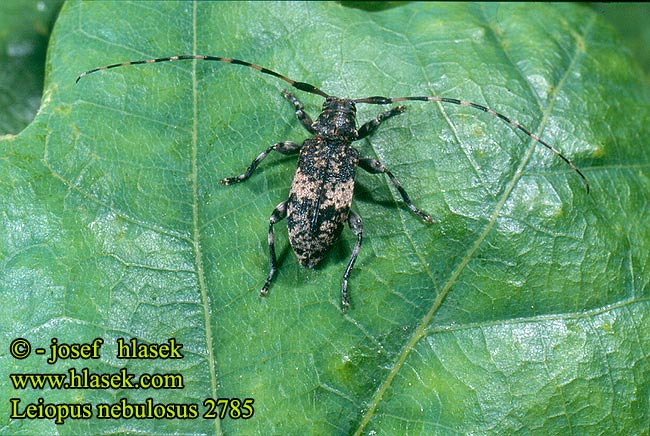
[[321, 193]]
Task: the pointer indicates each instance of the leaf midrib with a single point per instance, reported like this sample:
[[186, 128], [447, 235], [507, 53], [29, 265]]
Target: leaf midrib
[[196, 228]]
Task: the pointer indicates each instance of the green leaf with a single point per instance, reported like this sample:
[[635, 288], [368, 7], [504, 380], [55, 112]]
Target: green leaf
[[24, 28], [524, 310], [629, 20]]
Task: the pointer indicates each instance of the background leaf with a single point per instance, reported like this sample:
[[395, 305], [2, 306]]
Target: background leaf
[[523, 311], [630, 21], [24, 30]]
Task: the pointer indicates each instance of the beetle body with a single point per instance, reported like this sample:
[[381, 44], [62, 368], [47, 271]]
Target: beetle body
[[320, 197], [321, 192]]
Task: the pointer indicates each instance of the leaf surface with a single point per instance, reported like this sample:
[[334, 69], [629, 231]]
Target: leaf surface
[[524, 310]]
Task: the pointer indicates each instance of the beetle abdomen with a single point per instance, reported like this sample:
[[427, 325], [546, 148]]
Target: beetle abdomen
[[320, 197]]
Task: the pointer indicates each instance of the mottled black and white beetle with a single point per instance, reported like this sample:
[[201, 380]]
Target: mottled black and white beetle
[[321, 194]]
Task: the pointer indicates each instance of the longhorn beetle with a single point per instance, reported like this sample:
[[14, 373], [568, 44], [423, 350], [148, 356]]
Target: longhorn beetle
[[321, 193]]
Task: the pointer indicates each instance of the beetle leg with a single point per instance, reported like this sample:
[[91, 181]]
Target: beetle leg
[[279, 213], [373, 166], [356, 225], [303, 116], [372, 125], [286, 148]]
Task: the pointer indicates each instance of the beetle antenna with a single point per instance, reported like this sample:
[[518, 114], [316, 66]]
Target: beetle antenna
[[302, 86], [387, 100]]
